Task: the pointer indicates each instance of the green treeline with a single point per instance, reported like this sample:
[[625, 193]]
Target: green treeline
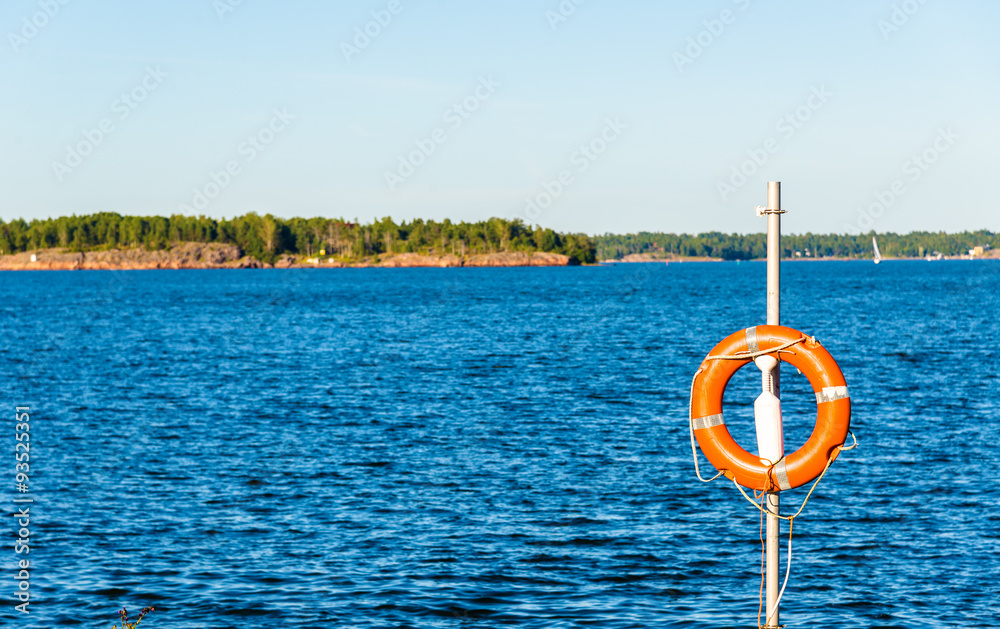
[[266, 237], [750, 246]]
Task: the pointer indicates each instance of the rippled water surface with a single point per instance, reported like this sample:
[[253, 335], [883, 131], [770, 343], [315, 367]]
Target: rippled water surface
[[489, 447]]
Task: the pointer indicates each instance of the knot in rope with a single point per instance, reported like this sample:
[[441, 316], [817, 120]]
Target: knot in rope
[[748, 355]]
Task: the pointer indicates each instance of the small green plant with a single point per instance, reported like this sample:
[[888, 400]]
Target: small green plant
[[123, 613]]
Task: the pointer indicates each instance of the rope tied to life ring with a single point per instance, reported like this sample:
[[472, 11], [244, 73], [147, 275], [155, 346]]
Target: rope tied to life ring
[[748, 355], [791, 527], [753, 351]]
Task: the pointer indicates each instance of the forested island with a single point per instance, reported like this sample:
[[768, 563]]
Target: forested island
[[271, 239], [111, 240], [721, 246]]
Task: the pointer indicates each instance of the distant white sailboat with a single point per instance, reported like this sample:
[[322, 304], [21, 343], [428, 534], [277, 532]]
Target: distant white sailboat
[[878, 254]]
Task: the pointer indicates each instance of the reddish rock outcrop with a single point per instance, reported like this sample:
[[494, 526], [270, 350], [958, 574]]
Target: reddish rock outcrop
[[190, 255], [537, 258], [193, 255], [417, 260], [284, 262]]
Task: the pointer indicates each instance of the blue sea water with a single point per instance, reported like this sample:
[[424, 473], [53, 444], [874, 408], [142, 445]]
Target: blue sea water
[[488, 447]]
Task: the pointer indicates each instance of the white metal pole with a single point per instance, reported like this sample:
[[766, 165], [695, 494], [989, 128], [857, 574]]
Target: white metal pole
[[773, 318]]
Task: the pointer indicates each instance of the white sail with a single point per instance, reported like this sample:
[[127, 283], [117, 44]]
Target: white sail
[[878, 254]]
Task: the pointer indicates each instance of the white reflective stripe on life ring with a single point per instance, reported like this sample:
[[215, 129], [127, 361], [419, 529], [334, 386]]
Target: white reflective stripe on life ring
[[697, 423], [829, 394]]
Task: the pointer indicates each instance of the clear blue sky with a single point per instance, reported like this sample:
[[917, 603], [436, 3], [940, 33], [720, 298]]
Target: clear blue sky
[[866, 91]]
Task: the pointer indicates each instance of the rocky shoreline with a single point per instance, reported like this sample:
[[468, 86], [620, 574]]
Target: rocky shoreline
[[194, 255]]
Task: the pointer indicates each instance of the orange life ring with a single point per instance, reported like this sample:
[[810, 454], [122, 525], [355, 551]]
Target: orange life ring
[[833, 418]]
